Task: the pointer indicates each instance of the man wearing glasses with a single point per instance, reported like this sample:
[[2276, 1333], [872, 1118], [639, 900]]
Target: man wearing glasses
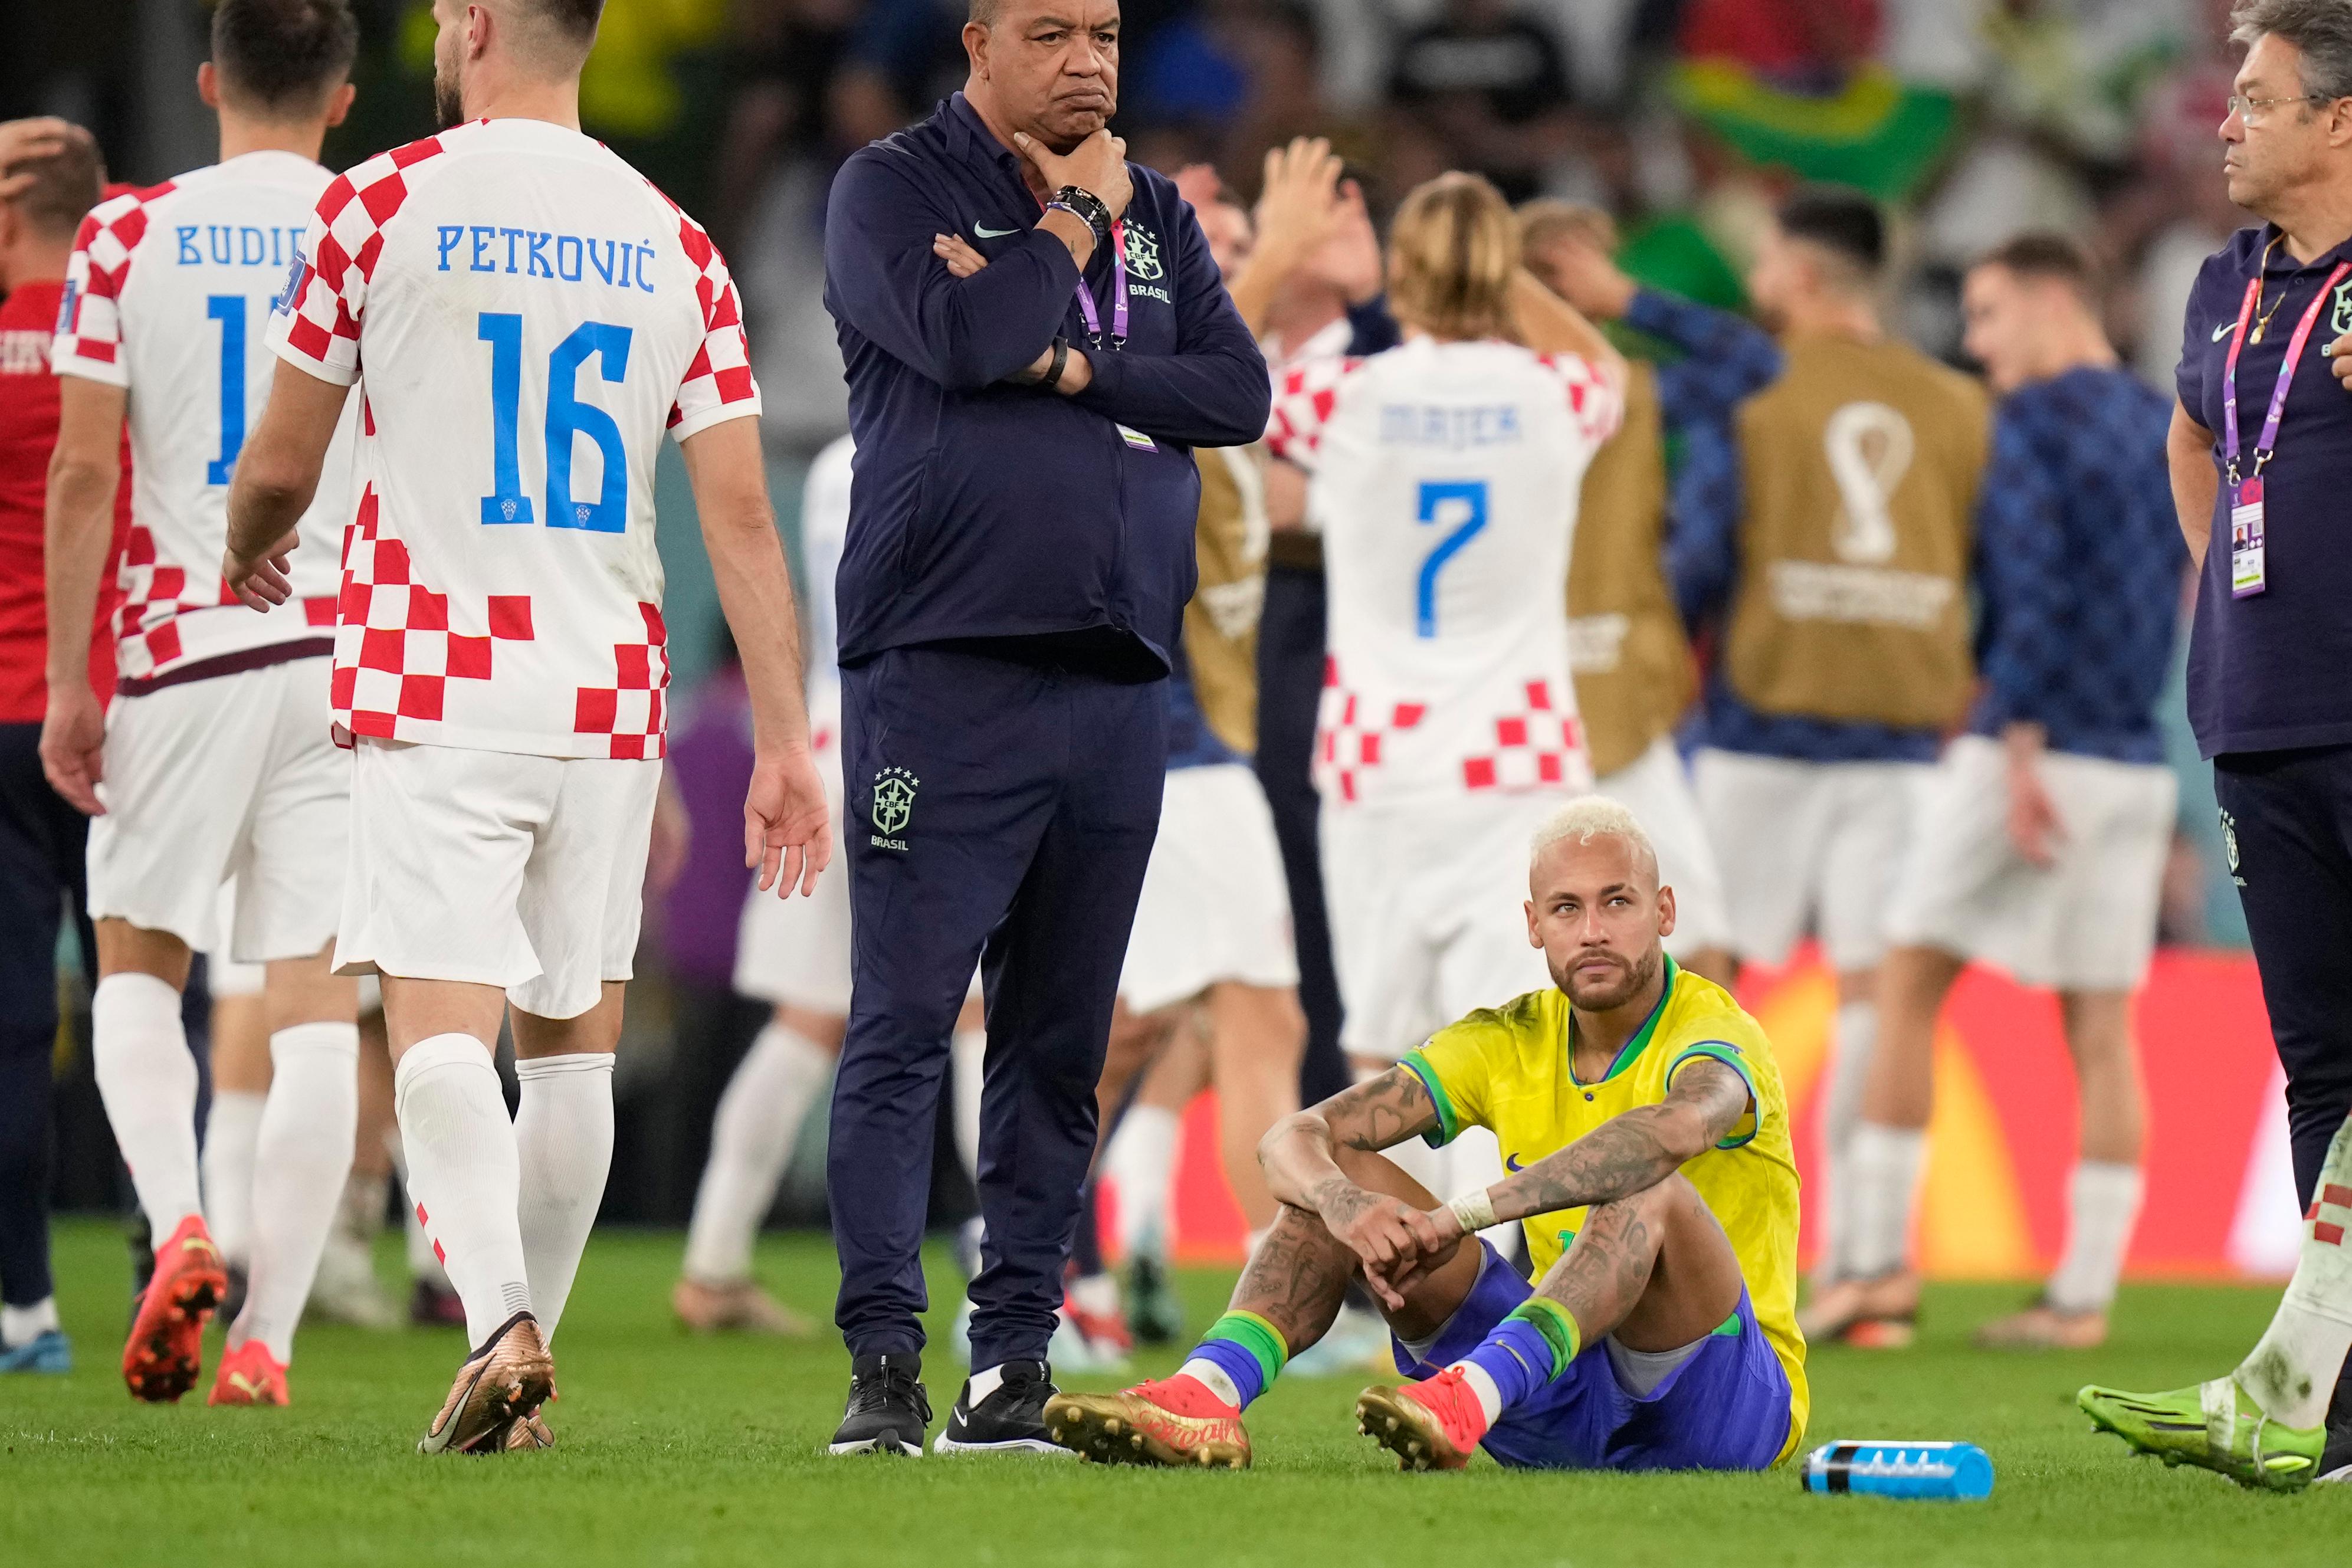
[[2261, 450]]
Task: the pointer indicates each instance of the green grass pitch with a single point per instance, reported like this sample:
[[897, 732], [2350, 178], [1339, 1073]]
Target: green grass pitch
[[676, 1450]]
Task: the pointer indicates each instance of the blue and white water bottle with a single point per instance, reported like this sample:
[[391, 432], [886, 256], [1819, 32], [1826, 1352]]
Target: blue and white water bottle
[[1940, 1470]]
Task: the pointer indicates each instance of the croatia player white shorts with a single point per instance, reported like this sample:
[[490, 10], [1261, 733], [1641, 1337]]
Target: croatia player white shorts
[[497, 867], [1656, 788], [236, 776], [224, 975], [2086, 923], [1214, 906], [1808, 845], [1428, 910], [795, 952]]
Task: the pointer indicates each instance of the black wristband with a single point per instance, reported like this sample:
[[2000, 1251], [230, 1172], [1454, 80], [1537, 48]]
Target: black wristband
[[1052, 378], [1090, 207]]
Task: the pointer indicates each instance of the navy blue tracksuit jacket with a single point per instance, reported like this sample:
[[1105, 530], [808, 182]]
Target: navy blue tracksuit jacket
[[1010, 596]]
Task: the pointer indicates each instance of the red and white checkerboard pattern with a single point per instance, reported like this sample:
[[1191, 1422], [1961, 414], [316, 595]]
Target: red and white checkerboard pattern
[[345, 239], [1536, 746], [90, 337], [2337, 1199], [630, 710], [720, 373], [148, 629], [1599, 408], [1302, 407]]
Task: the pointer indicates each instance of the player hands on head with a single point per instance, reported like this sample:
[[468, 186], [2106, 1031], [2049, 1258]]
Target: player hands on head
[[1644, 1124]]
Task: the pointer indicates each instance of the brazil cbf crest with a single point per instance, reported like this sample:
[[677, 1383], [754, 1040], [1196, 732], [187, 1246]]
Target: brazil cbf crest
[[894, 807], [1143, 254]]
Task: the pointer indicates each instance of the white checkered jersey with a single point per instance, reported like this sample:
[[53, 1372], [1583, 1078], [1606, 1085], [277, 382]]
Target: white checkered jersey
[[528, 314], [1445, 484], [168, 295], [825, 530]]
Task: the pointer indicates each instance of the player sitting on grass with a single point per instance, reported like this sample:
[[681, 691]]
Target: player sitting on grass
[[1642, 1114]]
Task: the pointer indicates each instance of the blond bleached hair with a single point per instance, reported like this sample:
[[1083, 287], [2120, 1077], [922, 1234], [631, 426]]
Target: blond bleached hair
[[1548, 218], [1453, 250], [1592, 816]]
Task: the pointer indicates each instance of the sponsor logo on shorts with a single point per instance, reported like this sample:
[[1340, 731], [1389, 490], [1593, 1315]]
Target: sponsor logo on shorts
[[894, 807]]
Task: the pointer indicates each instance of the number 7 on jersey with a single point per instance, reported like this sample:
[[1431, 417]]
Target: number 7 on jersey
[[1462, 503]]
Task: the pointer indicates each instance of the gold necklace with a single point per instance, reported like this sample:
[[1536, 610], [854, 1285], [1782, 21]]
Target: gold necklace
[[2261, 274]]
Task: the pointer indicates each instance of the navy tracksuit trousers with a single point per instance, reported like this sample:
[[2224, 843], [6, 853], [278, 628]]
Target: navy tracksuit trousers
[[2287, 819], [998, 812], [41, 848]]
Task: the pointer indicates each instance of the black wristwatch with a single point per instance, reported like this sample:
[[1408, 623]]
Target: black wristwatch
[[1091, 209], [1052, 380]]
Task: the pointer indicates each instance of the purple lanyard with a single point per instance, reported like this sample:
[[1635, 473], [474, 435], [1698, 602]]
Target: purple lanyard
[[1118, 300], [2268, 441]]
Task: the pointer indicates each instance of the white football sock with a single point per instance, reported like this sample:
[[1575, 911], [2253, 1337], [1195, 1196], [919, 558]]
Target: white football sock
[[463, 1172], [1141, 1164], [1481, 1382], [422, 1264], [2102, 1205], [1885, 1165], [1855, 1035], [752, 1139], [563, 1133], [1219, 1381], [2291, 1374], [985, 1382], [23, 1325], [148, 1079], [968, 1060], [302, 1160], [231, 1128]]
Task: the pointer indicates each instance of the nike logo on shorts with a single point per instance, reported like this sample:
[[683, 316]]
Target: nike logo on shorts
[[985, 232]]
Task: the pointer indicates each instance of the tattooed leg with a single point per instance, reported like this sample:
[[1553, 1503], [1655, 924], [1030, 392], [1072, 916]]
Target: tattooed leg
[[1655, 1270], [1300, 1273]]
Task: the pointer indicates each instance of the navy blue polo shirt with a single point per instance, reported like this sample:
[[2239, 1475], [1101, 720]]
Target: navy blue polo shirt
[[985, 511], [2274, 672]]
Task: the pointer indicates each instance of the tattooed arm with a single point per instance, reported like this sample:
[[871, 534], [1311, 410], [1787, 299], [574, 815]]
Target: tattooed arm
[[1632, 1152], [1301, 1168]]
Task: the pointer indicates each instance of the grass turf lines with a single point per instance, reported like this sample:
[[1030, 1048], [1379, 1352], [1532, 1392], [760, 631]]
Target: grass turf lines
[[678, 1450]]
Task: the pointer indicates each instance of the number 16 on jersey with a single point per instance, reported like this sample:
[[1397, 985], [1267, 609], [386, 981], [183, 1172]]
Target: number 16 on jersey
[[568, 419]]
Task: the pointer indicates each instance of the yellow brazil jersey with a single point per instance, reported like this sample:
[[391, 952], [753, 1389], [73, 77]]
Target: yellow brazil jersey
[[1510, 1069]]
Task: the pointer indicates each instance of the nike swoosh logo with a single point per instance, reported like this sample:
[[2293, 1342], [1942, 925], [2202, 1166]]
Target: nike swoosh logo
[[985, 232], [243, 1384], [2225, 329]]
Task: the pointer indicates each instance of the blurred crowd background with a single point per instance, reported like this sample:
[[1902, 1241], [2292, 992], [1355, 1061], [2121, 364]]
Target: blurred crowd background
[[1973, 120]]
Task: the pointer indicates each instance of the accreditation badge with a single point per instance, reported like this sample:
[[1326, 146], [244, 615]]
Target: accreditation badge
[[2248, 573]]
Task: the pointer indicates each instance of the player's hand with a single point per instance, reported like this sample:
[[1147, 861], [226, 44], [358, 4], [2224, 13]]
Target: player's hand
[[1299, 201], [21, 140], [1392, 1238], [1097, 165], [263, 582], [2339, 357], [1582, 274], [73, 741], [787, 836], [2034, 826]]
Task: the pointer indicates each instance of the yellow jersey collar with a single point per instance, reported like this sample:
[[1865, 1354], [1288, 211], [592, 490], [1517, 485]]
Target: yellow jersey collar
[[1634, 1048]]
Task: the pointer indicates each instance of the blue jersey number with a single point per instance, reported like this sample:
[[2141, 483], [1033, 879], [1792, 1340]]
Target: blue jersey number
[[228, 310], [1463, 503], [568, 420]]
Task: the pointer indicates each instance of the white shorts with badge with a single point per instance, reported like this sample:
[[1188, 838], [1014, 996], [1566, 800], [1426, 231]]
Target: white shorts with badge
[[498, 869], [1428, 910], [1656, 788], [1214, 906], [794, 951], [235, 776], [1808, 845], [2086, 923]]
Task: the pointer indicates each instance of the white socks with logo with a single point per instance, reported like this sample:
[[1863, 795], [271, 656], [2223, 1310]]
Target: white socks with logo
[[1141, 1164], [2291, 1374], [463, 1172], [2102, 1205], [563, 1134], [752, 1139], [1856, 1038], [231, 1128], [1882, 1173], [148, 1079], [302, 1157]]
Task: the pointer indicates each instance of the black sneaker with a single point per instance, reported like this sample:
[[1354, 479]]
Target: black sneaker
[[1011, 1420], [1154, 1315], [888, 1410]]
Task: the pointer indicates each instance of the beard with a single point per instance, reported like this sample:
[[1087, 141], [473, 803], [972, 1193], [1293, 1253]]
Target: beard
[[448, 96], [1626, 981]]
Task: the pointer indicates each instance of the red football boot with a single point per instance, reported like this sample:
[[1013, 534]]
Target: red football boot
[[1433, 1424], [1176, 1422], [165, 1352], [248, 1376]]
